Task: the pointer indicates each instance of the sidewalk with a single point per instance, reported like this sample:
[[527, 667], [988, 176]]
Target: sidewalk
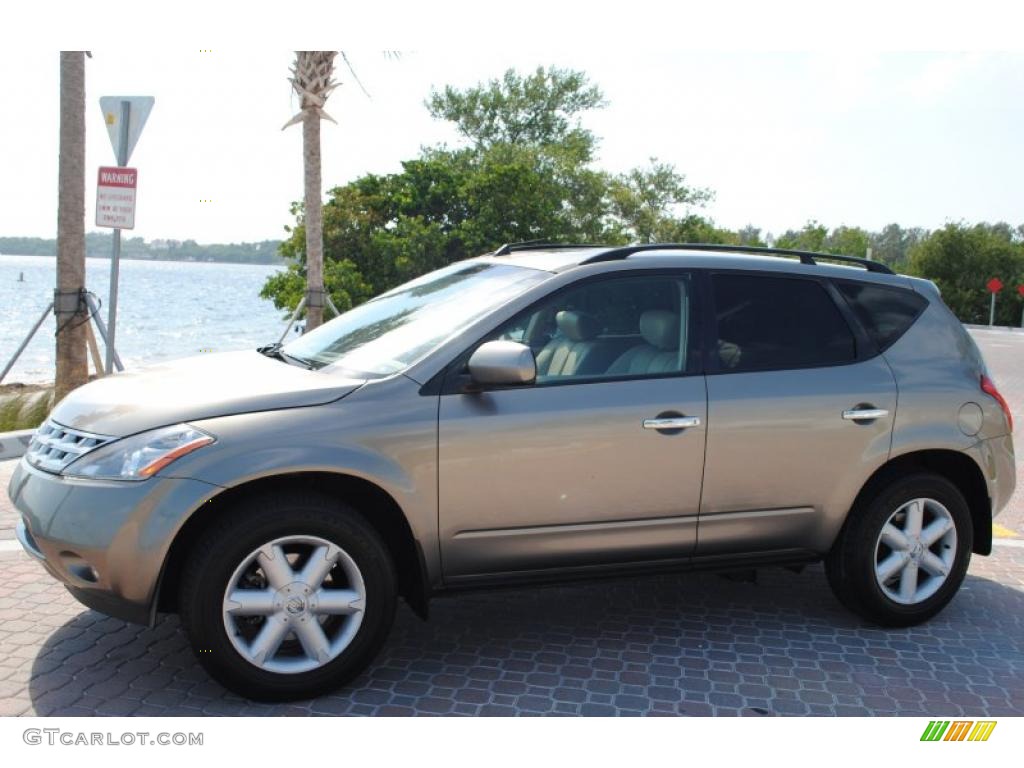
[[8, 516]]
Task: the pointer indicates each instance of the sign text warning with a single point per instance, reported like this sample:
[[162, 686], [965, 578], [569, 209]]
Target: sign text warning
[[115, 198]]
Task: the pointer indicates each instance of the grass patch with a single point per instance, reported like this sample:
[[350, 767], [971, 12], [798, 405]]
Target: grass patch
[[25, 411]]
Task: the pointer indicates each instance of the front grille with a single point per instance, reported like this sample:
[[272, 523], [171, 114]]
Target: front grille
[[53, 446]]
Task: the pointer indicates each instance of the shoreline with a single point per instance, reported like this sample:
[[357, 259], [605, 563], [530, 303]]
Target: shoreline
[[281, 263]]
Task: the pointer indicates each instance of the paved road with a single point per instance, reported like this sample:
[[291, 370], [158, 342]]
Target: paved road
[[686, 644]]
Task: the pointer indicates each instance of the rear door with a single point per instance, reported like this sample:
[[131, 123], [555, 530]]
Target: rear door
[[800, 413]]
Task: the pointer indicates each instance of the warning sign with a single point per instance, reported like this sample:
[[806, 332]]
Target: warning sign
[[115, 198]]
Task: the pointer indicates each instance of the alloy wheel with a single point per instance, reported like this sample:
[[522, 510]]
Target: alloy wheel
[[294, 604], [915, 551]]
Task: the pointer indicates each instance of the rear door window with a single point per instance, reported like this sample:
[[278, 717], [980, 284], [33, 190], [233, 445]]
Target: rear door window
[[886, 313], [771, 323]]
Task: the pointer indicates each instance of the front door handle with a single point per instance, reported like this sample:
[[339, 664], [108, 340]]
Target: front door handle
[[672, 422], [865, 414]]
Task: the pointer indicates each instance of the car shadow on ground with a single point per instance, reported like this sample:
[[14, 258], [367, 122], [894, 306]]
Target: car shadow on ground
[[671, 644]]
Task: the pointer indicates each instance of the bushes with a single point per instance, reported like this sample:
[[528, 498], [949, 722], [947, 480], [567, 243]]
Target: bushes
[[960, 259]]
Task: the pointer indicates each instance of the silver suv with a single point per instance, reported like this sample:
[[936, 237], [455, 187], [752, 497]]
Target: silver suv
[[541, 412]]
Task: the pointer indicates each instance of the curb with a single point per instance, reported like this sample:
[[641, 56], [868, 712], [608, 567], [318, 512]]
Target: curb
[[14, 444], [994, 328]]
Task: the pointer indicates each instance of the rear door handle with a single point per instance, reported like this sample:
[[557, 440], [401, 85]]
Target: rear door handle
[[672, 422], [865, 414]]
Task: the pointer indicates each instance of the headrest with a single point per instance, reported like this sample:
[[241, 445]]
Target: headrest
[[577, 326], [660, 328]]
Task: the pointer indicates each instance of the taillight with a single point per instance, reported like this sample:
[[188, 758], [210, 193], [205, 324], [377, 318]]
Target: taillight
[[990, 389]]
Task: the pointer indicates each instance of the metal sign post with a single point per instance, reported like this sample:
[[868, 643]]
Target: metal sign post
[[124, 116], [994, 286], [115, 253]]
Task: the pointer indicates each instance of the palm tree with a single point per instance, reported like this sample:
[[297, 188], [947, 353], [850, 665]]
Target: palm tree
[[313, 80], [72, 367]]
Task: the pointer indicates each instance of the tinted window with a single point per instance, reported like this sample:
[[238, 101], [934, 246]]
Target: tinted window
[[618, 327], [886, 313], [774, 322]]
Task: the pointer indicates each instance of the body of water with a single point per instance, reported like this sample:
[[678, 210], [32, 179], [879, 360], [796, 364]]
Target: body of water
[[166, 309]]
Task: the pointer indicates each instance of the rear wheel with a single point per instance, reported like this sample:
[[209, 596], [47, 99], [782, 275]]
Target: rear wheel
[[288, 597], [902, 556]]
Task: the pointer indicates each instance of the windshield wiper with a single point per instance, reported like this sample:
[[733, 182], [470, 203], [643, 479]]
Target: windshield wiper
[[275, 350], [271, 350]]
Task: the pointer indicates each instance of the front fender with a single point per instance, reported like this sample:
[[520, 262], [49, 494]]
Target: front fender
[[385, 433]]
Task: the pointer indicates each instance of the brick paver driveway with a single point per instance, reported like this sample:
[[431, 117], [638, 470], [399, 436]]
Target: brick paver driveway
[[686, 644]]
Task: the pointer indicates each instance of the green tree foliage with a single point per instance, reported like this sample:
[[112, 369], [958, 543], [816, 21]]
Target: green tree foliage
[[851, 241], [540, 110], [693, 228], [341, 280], [750, 235], [526, 172], [525, 175], [644, 201], [960, 259], [892, 245], [813, 237]]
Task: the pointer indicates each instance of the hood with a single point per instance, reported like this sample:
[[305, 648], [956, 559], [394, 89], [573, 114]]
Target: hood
[[196, 388]]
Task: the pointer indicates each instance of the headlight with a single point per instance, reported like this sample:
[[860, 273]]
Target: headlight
[[140, 456]]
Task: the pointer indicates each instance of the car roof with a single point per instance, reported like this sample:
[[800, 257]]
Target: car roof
[[563, 258]]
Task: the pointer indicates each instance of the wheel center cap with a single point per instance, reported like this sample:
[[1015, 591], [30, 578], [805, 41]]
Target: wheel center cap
[[917, 550], [293, 599]]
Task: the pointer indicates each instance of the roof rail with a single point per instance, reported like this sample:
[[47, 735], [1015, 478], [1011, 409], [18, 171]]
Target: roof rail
[[531, 245], [806, 257]]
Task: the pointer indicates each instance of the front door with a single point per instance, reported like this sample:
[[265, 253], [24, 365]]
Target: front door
[[575, 471]]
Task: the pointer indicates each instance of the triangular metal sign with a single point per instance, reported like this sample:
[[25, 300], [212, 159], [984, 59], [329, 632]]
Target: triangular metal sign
[[139, 108]]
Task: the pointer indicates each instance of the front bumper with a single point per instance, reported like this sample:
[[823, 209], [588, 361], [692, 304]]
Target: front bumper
[[106, 541]]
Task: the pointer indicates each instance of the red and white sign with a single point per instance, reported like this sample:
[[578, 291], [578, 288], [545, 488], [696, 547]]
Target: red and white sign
[[115, 197], [995, 285]]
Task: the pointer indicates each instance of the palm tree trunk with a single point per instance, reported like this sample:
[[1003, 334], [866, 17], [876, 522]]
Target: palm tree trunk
[[72, 367], [313, 217]]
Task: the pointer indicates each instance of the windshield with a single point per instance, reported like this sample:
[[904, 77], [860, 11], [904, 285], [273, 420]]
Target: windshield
[[394, 330]]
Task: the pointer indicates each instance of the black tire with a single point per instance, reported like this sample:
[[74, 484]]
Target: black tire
[[850, 566], [248, 525]]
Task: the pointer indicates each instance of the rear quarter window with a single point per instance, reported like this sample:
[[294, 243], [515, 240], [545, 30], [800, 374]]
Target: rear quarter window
[[885, 312]]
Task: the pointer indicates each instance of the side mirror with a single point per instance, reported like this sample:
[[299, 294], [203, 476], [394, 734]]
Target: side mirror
[[502, 363]]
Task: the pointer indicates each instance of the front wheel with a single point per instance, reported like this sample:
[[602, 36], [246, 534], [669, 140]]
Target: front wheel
[[288, 597], [901, 557]]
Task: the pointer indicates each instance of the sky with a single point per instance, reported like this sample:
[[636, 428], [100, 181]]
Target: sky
[[848, 137]]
